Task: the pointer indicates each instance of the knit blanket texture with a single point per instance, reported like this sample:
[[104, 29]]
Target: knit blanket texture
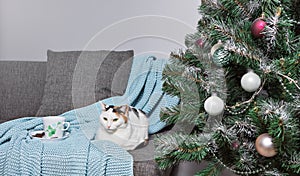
[[79, 154]]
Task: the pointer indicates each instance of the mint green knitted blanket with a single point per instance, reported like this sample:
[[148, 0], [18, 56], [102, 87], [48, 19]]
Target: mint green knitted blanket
[[75, 155], [79, 154]]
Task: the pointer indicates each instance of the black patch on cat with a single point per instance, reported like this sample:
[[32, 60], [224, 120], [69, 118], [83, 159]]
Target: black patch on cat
[[135, 112], [110, 107], [143, 112]]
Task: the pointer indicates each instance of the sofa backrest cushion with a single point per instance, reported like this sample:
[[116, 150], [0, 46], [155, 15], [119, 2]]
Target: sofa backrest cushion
[[78, 78], [21, 88]]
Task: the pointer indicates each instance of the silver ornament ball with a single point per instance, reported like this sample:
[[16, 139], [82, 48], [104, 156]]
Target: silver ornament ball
[[214, 105], [250, 82]]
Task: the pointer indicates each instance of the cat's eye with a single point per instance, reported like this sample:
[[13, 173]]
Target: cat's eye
[[115, 120], [105, 118]]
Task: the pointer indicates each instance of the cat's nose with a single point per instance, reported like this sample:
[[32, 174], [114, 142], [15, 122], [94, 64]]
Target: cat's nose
[[108, 127]]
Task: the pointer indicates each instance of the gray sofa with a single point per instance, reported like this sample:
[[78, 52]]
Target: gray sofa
[[21, 88], [23, 85]]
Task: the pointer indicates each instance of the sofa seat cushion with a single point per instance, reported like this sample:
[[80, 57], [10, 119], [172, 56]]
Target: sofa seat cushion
[[148, 168], [78, 78], [144, 163]]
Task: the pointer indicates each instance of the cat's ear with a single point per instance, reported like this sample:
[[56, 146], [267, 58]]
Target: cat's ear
[[123, 109], [103, 106]]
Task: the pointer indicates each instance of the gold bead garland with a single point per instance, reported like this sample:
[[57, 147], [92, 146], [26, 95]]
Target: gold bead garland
[[285, 89], [242, 172]]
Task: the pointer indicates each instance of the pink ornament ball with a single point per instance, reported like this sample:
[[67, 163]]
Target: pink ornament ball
[[265, 146], [257, 27], [200, 43]]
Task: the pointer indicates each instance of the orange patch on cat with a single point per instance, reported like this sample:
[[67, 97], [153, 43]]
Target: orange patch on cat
[[123, 116]]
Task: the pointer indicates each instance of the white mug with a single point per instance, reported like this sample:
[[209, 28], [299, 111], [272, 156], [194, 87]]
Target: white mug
[[54, 126]]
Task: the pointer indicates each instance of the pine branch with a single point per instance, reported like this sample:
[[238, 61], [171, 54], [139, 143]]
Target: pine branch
[[238, 9], [170, 115], [173, 148], [213, 169], [294, 163], [212, 8]]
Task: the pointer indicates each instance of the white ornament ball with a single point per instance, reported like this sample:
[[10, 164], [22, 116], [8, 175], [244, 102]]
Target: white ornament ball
[[214, 105], [250, 81]]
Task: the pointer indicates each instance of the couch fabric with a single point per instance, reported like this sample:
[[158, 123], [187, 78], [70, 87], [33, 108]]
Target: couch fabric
[[21, 88], [78, 78]]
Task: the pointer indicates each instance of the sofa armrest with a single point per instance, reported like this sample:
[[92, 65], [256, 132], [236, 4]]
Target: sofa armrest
[[21, 88]]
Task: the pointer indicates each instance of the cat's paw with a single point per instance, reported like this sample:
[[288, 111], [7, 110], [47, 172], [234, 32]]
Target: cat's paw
[[146, 141]]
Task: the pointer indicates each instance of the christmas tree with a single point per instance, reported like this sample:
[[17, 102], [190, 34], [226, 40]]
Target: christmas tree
[[238, 81]]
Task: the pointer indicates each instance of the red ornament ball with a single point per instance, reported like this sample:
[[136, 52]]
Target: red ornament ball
[[235, 145], [257, 27], [200, 43]]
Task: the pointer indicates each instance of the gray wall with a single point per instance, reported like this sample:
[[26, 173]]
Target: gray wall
[[28, 28]]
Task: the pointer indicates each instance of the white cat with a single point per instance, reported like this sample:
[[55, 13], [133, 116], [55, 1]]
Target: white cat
[[123, 125]]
